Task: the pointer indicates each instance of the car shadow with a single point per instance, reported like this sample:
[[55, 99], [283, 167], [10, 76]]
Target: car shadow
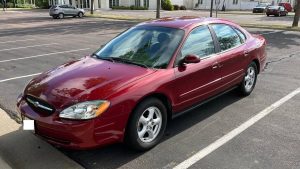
[[116, 155]]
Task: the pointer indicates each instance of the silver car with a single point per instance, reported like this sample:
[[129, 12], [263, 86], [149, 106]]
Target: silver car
[[60, 11]]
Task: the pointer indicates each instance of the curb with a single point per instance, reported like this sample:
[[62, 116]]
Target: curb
[[22, 149]]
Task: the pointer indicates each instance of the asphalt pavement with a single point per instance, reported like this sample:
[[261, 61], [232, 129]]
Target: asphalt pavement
[[272, 142]]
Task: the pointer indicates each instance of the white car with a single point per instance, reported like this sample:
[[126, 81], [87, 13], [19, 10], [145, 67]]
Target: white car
[[60, 11]]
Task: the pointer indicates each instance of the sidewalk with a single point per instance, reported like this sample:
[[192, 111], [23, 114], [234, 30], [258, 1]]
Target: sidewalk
[[21, 149]]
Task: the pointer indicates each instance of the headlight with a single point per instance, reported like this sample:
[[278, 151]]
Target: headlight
[[85, 110]]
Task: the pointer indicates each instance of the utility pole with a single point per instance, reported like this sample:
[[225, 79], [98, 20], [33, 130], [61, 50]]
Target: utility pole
[[158, 9], [211, 8]]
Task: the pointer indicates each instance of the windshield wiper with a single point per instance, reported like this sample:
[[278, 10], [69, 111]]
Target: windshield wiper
[[128, 61], [103, 58]]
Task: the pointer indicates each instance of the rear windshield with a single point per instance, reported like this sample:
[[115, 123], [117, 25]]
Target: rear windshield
[[273, 7]]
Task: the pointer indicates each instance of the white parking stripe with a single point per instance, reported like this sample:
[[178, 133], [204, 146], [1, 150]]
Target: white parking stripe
[[47, 54], [223, 140], [23, 40], [27, 47], [19, 77]]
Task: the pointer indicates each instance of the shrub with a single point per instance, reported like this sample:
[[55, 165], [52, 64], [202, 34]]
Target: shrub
[[167, 5], [176, 7], [182, 7], [130, 8], [9, 5], [24, 6]]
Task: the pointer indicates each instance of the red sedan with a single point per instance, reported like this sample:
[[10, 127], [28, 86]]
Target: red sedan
[[276, 11], [129, 89]]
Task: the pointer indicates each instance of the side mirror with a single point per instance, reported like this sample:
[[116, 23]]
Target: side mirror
[[190, 58]]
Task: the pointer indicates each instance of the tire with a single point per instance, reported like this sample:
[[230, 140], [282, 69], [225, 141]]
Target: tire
[[279, 14], [80, 14], [54, 17], [249, 80], [268, 15], [138, 133], [61, 16]]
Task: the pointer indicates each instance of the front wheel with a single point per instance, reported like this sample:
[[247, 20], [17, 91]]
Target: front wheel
[[249, 81], [61, 16], [147, 125], [80, 14]]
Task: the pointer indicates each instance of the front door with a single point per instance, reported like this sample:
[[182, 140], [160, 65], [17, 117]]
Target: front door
[[195, 82]]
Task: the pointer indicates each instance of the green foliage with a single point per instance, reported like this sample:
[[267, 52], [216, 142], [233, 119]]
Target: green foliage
[[42, 4], [167, 5], [130, 8], [24, 6], [176, 7], [182, 7]]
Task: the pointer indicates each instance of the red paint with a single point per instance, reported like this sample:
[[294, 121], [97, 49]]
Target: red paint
[[126, 85]]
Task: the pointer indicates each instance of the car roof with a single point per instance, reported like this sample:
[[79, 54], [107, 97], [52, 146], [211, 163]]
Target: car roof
[[183, 22]]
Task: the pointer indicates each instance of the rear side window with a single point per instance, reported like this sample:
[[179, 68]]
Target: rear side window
[[242, 35], [227, 37]]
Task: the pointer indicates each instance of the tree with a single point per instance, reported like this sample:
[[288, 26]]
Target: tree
[[158, 9], [92, 7], [297, 14]]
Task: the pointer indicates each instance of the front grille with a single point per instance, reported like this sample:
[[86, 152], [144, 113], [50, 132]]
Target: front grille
[[39, 105]]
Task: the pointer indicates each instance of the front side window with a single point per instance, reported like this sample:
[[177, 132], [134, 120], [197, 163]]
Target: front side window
[[149, 46], [227, 37], [199, 43]]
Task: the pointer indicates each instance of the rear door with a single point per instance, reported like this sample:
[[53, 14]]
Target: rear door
[[196, 82], [232, 56]]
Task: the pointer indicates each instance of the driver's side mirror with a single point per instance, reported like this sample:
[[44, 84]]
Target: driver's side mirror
[[190, 58]]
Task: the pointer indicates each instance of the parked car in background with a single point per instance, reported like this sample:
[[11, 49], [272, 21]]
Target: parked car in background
[[128, 90], [261, 8], [287, 6], [276, 11], [60, 11]]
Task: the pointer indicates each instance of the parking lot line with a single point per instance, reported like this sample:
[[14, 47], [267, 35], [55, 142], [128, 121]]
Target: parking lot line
[[47, 54], [235, 132], [19, 77], [23, 40], [28, 47]]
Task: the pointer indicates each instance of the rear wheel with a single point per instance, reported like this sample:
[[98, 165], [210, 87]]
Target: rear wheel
[[249, 81], [147, 125]]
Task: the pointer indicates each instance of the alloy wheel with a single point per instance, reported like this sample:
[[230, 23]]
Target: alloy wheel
[[149, 124], [249, 78]]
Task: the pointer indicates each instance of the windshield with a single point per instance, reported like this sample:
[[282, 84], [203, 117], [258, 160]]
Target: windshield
[[273, 7], [144, 45]]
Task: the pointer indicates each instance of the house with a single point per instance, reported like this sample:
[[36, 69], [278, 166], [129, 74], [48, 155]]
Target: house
[[236, 4], [105, 4], [151, 4]]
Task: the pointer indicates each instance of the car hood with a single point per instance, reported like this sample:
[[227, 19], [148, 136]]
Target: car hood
[[82, 80]]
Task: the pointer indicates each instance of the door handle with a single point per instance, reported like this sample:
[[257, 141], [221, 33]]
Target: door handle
[[246, 53], [215, 65]]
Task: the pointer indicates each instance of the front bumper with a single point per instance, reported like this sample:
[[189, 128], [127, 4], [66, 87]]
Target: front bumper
[[73, 134]]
